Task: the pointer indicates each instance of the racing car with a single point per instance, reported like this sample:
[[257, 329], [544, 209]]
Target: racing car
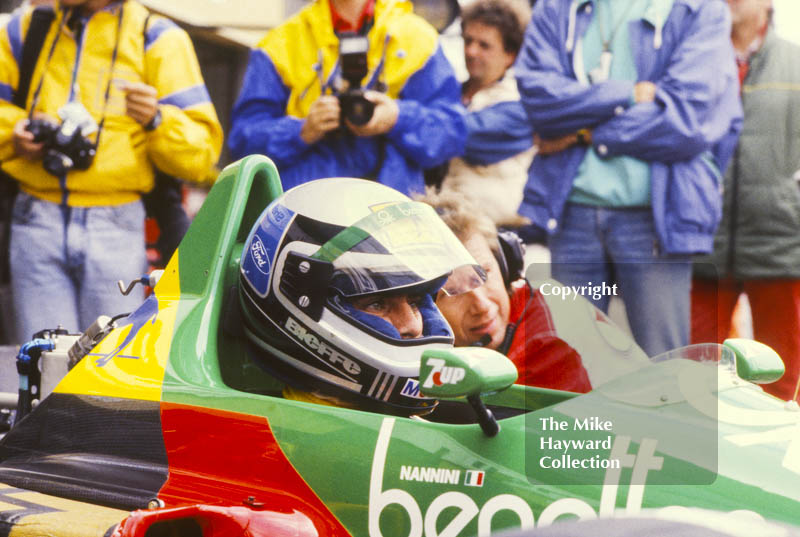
[[166, 426]]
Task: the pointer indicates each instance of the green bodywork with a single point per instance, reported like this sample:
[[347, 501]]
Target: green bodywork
[[723, 443], [465, 371]]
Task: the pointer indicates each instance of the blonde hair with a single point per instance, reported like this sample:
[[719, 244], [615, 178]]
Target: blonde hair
[[461, 215]]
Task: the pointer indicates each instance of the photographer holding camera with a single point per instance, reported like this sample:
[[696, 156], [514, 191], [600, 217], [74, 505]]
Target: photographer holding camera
[[94, 95], [355, 88]]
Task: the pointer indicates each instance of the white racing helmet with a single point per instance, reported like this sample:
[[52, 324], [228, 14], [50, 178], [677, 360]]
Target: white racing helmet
[[312, 251]]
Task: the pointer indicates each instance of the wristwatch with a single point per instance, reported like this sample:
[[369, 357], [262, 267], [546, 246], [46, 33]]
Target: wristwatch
[[584, 136], [155, 122]]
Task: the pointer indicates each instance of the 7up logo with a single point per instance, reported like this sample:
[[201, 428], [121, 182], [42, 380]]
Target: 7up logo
[[442, 374]]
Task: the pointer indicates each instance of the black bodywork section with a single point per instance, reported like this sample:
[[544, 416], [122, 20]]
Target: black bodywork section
[[102, 450]]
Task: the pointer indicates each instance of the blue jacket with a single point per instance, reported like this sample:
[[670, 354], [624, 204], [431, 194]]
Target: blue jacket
[[688, 133], [499, 130], [298, 61]]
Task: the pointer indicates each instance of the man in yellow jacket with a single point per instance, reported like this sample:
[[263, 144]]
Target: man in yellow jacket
[[132, 87]]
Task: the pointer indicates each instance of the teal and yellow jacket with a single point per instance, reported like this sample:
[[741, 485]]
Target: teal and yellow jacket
[[299, 61], [187, 143]]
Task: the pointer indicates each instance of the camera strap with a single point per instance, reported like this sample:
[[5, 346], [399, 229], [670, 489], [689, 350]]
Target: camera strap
[[37, 93], [41, 20], [110, 75]]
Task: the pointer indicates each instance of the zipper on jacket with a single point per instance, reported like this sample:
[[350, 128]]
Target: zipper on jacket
[[80, 33], [80, 38]]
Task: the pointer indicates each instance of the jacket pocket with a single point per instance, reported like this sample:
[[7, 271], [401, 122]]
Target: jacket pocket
[[694, 197]]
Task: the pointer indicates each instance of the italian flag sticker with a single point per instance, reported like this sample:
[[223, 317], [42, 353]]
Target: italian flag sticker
[[473, 478]]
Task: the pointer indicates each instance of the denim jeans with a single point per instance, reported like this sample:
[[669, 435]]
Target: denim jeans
[[65, 262], [619, 245]]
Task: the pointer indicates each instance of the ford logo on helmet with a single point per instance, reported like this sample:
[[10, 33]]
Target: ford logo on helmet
[[259, 254]]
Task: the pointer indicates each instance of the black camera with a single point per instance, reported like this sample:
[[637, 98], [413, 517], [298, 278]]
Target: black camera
[[354, 106], [66, 146]]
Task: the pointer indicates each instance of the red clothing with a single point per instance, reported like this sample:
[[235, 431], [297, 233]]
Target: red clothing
[[542, 358], [341, 25], [743, 60], [775, 305]]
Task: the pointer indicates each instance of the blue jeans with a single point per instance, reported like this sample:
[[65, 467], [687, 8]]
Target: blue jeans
[[619, 245], [65, 262]]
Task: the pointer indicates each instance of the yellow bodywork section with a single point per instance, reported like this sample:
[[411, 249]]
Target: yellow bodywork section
[[25, 513], [132, 369]]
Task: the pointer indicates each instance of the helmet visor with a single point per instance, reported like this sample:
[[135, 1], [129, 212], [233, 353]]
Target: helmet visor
[[398, 246]]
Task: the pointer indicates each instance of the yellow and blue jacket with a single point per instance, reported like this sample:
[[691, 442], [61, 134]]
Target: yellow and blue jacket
[[299, 61], [187, 143]]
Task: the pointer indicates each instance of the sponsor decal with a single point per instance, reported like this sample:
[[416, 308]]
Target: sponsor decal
[[398, 225], [442, 374], [474, 478], [383, 386], [320, 348], [411, 389], [445, 476], [427, 520], [279, 215], [430, 475], [259, 254], [147, 312]]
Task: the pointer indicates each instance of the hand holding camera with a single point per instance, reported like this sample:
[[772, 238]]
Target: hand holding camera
[[382, 119], [25, 144], [362, 112], [63, 146], [323, 117]]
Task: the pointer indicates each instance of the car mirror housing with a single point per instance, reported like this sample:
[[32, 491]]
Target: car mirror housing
[[755, 361], [464, 371], [467, 372]]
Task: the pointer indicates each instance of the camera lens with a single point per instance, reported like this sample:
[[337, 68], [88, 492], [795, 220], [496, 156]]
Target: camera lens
[[56, 163], [42, 130], [356, 108]]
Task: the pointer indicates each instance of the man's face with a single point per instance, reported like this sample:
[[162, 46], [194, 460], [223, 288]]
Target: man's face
[[484, 310], [401, 311], [743, 10], [484, 54]]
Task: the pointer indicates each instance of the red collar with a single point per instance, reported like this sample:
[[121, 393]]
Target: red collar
[[341, 25], [743, 59]]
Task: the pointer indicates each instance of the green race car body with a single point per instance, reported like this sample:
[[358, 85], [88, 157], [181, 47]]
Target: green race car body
[[168, 421]]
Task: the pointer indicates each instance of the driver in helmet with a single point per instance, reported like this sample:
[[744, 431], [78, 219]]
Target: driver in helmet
[[337, 281]]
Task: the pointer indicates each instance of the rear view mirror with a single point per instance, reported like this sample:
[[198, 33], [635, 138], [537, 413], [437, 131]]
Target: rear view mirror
[[467, 372], [755, 362], [464, 371]]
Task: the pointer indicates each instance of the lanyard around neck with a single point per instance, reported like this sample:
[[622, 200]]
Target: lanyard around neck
[[37, 93], [617, 26]]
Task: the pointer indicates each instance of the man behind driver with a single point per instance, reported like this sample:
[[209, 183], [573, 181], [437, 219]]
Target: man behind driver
[[556, 342]]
